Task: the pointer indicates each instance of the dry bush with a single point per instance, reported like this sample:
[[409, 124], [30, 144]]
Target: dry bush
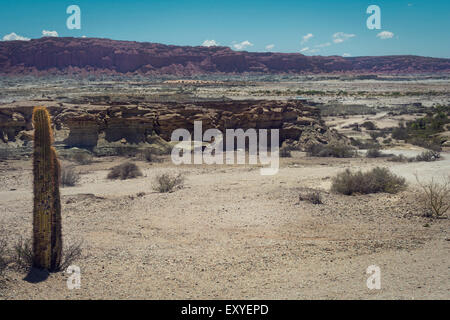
[[168, 183], [428, 156], [149, 156], [285, 152], [23, 254], [373, 153], [69, 177], [435, 196], [313, 196], [331, 150], [82, 158], [127, 170], [401, 158], [373, 181], [369, 125], [71, 253], [3, 254]]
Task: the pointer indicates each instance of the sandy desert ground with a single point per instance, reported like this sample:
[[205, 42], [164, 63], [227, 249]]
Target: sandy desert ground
[[232, 233]]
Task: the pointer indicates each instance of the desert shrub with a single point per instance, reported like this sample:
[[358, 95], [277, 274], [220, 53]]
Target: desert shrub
[[69, 177], [168, 183], [82, 158], [373, 181], [331, 150], [428, 156], [313, 196], [401, 158], [148, 155], [374, 153], [400, 133], [71, 253], [152, 155], [3, 254], [369, 125], [23, 254], [376, 134], [432, 143], [366, 144], [127, 170], [435, 196], [387, 141], [285, 152]]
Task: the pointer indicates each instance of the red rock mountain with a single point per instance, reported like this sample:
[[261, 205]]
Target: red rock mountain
[[75, 55]]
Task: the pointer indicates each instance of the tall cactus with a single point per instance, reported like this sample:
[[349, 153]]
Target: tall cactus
[[47, 238]]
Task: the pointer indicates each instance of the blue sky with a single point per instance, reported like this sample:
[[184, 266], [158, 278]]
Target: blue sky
[[336, 27]]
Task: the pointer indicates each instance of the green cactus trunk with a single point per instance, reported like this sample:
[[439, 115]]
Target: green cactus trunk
[[47, 238]]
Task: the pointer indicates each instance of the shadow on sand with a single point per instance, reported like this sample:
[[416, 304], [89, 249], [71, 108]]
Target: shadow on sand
[[36, 275]]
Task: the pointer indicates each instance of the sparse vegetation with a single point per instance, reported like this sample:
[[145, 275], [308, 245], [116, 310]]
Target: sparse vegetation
[[23, 254], [435, 196], [428, 156], [71, 253], [285, 152], [422, 132], [374, 153], [373, 181], [3, 254], [345, 109], [168, 183], [331, 150], [127, 170], [364, 144], [69, 177], [82, 158], [369, 125], [312, 196], [401, 158]]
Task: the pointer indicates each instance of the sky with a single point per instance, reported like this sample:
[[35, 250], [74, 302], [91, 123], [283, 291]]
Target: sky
[[310, 27]]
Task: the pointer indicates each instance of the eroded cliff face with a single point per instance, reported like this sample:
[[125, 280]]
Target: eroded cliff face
[[81, 55], [96, 127]]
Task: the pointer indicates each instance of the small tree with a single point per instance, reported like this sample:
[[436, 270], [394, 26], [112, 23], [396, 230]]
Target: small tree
[[436, 196]]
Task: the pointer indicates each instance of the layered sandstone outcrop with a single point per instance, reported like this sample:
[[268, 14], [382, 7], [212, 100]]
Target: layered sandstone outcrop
[[101, 126], [81, 55]]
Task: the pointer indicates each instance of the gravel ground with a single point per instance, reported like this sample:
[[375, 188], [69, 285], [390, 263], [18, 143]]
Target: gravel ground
[[231, 233]]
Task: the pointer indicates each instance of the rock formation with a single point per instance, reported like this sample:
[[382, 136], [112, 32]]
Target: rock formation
[[102, 127]]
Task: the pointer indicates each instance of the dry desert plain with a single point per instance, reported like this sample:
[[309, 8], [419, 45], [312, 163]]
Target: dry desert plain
[[231, 233]]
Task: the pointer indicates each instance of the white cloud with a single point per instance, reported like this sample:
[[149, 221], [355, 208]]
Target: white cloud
[[385, 35], [242, 45], [308, 50], [13, 36], [323, 45], [346, 55], [306, 38], [210, 43], [270, 47], [46, 33], [340, 37]]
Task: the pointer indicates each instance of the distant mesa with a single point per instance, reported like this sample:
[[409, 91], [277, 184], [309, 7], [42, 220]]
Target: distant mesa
[[91, 55]]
